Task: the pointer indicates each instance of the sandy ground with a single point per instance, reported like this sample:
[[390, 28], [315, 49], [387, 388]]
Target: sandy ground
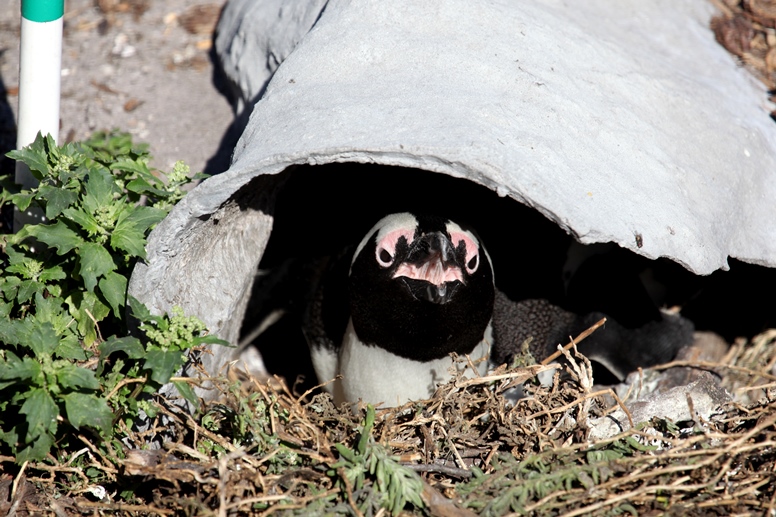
[[142, 66]]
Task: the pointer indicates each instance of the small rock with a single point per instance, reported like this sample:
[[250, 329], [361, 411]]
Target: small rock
[[132, 104], [691, 402], [121, 46], [137, 460], [200, 19]]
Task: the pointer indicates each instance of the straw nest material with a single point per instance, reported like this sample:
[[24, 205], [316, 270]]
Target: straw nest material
[[261, 449]]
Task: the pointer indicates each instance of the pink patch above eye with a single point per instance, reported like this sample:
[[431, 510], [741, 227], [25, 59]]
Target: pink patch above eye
[[471, 247], [388, 243]]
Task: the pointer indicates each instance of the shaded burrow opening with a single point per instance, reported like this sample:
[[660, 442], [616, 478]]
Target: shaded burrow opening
[[319, 210]]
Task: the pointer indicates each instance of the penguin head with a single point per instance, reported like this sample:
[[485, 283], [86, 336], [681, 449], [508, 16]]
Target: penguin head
[[421, 287]]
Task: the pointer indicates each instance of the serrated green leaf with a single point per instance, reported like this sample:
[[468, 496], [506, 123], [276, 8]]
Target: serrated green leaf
[[95, 261], [129, 345], [27, 267], [15, 369], [129, 238], [42, 412], [130, 166], [100, 187], [10, 331], [162, 364], [22, 200], [37, 451], [26, 290], [72, 376], [139, 310], [9, 436], [184, 388], [43, 339], [57, 199], [83, 219], [48, 309], [141, 186], [73, 177], [73, 150], [81, 304], [144, 217], [57, 235], [5, 384], [114, 288], [34, 156], [9, 282], [52, 273], [15, 257], [88, 410], [9, 286], [70, 348]]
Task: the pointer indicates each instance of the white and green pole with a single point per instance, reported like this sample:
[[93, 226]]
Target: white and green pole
[[40, 65]]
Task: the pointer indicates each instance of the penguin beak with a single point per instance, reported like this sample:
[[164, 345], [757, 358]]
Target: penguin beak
[[430, 272]]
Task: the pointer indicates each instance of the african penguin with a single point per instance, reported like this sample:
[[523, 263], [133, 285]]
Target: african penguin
[[419, 288]]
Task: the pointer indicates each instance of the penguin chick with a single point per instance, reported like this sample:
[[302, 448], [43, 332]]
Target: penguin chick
[[419, 288], [619, 349]]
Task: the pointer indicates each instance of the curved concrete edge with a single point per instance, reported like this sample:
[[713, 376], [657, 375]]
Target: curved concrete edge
[[253, 38], [661, 151]]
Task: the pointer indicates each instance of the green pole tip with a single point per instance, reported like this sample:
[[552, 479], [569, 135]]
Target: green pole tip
[[43, 10]]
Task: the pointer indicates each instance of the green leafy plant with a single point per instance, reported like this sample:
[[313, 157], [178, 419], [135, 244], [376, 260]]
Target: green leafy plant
[[94, 234], [248, 420], [153, 359], [370, 465], [549, 476], [64, 283], [44, 382]]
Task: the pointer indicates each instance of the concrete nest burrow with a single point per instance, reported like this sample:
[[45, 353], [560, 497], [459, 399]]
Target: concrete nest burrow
[[601, 176], [306, 211]]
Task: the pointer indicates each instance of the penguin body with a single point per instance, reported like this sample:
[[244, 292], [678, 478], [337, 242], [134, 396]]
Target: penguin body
[[419, 288], [373, 374]]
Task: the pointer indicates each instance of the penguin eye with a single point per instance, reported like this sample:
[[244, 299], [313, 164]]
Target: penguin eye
[[473, 264], [384, 257]]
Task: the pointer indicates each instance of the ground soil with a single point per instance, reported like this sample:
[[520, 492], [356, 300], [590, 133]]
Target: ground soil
[[142, 66]]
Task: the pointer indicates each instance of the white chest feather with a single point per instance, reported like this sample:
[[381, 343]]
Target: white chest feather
[[375, 375]]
